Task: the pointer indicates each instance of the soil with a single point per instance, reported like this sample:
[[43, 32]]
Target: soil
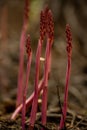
[[74, 121]]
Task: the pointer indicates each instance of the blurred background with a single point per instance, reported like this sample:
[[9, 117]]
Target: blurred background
[[73, 12]]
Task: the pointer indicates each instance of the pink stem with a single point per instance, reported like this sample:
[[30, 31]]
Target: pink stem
[[21, 66], [35, 99], [46, 77], [69, 52], [28, 101], [21, 56], [66, 94], [25, 90]]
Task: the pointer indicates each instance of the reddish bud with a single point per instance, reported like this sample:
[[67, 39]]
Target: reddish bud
[[69, 40], [46, 24], [42, 25], [50, 25], [28, 46]]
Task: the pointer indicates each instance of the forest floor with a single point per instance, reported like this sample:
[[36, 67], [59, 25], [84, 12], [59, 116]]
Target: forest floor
[[74, 121]]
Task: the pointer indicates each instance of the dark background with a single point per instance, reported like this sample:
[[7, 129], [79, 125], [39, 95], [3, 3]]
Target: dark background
[[73, 12]]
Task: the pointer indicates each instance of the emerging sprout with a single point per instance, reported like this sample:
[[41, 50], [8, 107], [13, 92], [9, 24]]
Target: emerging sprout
[[69, 52]]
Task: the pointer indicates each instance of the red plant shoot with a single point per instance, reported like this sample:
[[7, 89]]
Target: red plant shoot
[[38, 55], [50, 34], [29, 53], [40, 86], [21, 55], [69, 53], [46, 29], [35, 99]]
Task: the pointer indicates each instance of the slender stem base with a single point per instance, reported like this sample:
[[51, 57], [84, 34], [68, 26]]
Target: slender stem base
[[64, 110]]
